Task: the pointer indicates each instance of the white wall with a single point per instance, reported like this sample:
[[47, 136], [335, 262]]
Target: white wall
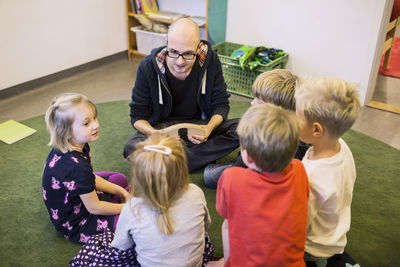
[[189, 7], [41, 37], [339, 38]]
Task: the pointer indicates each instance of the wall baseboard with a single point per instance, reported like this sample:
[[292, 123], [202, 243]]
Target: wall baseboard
[[33, 84]]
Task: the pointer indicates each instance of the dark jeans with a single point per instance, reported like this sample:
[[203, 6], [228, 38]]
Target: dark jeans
[[337, 260], [222, 141]]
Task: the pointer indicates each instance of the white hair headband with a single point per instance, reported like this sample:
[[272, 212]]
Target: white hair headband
[[159, 148]]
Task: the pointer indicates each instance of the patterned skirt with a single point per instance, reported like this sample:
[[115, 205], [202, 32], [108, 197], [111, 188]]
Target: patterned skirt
[[97, 251]]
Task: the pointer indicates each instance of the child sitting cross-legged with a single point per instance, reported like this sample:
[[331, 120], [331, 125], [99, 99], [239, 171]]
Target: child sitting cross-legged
[[327, 108], [276, 87], [265, 205], [165, 221], [80, 202]]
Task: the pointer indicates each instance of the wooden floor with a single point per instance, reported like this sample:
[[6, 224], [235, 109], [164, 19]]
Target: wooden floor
[[386, 95], [384, 106]]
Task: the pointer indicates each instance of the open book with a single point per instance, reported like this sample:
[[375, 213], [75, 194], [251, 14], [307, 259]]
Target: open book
[[193, 129]]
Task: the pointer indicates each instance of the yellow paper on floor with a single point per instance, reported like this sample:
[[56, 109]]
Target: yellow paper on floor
[[12, 131]]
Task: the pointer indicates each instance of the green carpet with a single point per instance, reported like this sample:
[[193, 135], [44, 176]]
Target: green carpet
[[28, 238]]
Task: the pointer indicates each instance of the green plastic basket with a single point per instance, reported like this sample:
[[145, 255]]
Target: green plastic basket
[[240, 81]]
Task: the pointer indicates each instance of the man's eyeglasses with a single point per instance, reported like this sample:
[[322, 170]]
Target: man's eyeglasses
[[185, 55]]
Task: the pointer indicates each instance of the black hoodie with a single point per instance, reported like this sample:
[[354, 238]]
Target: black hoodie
[[151, 97]]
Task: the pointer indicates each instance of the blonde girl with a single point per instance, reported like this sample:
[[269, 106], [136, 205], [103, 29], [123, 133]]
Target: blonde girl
[[76, 198], [167, 216]]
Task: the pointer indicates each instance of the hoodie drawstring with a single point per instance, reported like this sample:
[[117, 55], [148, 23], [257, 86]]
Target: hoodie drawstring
[[160, 99], [203, 83]]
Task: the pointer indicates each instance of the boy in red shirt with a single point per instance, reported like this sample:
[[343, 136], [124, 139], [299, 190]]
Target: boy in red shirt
[[265, 205]]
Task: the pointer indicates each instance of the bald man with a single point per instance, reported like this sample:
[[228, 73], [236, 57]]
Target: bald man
[[179, 83]]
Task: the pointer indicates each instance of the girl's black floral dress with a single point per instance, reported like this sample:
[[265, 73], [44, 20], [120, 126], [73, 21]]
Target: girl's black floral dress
[[65, 177]]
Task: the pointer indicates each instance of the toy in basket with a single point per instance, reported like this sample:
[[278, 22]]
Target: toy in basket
[[242, 64]]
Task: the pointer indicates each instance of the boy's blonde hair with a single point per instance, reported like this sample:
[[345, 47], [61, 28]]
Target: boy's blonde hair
[[270, 135], [159, 177], [59, 119], [331, 102], [276, 87]]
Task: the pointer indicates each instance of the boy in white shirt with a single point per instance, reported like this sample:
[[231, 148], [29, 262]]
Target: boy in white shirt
[[327, 108]]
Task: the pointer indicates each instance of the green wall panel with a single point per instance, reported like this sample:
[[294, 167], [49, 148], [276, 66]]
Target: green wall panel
[[216, 21]]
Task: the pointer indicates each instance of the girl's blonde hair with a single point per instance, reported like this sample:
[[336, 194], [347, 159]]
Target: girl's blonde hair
[[276, 87], [59, 119], [159, 175]]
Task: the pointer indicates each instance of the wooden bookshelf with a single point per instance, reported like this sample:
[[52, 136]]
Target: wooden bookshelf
[[132, 22]]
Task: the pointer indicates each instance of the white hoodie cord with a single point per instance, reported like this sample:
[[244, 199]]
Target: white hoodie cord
[[203, 86], [160, 99]]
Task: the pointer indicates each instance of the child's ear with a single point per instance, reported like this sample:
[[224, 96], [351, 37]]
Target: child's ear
[[249, 161], [318, 129]]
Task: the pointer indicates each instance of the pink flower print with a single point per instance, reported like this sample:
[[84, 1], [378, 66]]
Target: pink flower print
[[90, 154], [101, 225], [83, 222], [84, 238], [75, 159], [54, 160], [66, 225], [44, 194], [77, 208], [54, 213], [99, 192], [66, 198], [84, 157], [70, 185], [55, 184], [66, 237]]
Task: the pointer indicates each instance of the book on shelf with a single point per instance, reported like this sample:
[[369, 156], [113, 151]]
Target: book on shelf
[[133, 6], [163, 14], [149, 6], [138, 6]]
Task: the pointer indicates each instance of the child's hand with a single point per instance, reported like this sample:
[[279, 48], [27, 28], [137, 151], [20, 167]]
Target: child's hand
[[218, 263], [124, 196]]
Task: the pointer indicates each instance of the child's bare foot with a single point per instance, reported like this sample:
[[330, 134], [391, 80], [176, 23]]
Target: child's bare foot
[[217, 263]]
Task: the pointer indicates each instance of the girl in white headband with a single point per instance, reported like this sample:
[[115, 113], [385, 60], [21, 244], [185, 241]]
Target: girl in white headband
[[165, 221]]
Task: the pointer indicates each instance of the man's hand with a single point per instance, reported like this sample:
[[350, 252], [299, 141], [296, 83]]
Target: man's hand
[[145, 127], [198, 139], [214, 122]]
